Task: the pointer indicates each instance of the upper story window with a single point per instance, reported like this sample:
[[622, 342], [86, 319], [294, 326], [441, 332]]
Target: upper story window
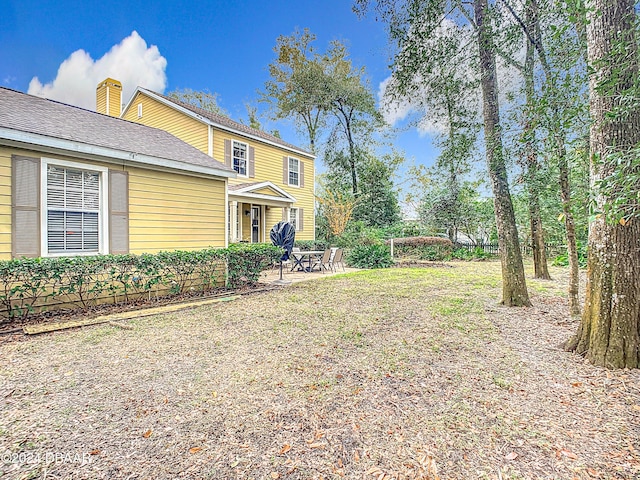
[[240, 158], [75, 209], [294, 172]]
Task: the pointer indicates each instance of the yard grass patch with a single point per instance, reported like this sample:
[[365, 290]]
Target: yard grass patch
[[395, 371]]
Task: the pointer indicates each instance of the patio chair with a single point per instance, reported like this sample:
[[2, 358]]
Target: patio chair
[[325, 262], [337, 260]]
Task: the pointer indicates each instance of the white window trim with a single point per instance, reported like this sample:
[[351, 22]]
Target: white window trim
[[103, 237], [289, 172], [246, 160], [296, 216], [140, 110]]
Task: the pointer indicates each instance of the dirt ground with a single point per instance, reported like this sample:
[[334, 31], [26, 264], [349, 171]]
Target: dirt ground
[[411, 373]]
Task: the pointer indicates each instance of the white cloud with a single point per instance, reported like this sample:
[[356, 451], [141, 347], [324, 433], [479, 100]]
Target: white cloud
[[428, 117], [393, 110], [131, 62]]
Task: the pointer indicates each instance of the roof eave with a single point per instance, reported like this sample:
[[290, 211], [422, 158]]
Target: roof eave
[[17, 138]]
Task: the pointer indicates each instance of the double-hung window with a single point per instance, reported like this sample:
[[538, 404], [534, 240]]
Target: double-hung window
[[75, 208], [240, 158], [293, 217], [294, 172]]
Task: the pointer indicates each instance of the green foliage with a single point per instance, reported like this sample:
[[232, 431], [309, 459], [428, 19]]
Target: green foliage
[[621, 185], [455, 206], [562, 260], [202, 99], [357, 233], [422, 248], [24, 282], [28, 283], [370, 256], [245, 261], [317, 244], [406, 229], [377, 204], [477, 253]]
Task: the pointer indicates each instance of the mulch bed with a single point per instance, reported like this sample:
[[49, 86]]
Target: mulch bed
[[12, 326]]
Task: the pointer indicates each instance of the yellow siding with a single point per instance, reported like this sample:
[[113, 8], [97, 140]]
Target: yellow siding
[[268, 167], [115, 100], [185, 213], [158, 115], [267, 191], [111, 89], [274, 215], [5, 203], [101, 100], [167, 211], [268, 158]]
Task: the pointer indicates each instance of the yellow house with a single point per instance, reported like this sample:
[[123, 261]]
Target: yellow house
[[76, 182], [275, 180]]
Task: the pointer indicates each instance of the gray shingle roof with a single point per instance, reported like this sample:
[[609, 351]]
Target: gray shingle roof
[[231, 124], [27, 113]]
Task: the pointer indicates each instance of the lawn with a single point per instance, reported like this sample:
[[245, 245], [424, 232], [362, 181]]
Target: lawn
[[391, 374]]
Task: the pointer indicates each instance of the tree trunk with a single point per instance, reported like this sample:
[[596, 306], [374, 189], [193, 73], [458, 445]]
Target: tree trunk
[[540, 267], [609, 330], [570, 229], [514, 288]]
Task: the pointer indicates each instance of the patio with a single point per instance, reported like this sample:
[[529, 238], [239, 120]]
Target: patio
[[270, 276]]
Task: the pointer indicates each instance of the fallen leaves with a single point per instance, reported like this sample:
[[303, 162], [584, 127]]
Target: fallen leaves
[[563, 452], [193, 450], [286, 447], [147, 434], [511, 456]]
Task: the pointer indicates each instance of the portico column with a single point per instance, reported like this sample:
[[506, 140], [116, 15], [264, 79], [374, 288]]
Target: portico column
[[234, 222]]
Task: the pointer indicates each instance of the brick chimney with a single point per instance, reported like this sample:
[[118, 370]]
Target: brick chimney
[[109, 97]]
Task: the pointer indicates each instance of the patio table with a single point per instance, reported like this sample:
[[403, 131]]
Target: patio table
[[298, 259]]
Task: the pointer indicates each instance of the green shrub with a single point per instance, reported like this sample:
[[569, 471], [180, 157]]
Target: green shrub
[[562, 260], [356, 234], [370, 256], [422, 248], [245, 262], [28, 283], [24, 282]]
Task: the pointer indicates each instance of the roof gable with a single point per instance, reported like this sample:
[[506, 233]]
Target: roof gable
[[219, 121], [261, 191]]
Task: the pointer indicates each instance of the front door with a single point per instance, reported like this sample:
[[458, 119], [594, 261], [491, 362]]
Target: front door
[[255, 224]]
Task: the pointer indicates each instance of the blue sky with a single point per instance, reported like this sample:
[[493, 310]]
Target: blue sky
[[224, 47]]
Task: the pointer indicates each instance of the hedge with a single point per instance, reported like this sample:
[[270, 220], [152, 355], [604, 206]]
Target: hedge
[[422, 248], [31, 284]]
